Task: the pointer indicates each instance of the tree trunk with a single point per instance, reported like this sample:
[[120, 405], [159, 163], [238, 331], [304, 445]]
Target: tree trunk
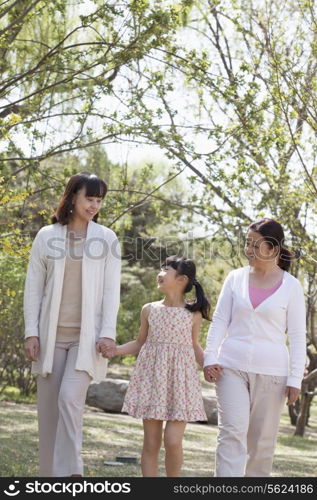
[[293, 411]]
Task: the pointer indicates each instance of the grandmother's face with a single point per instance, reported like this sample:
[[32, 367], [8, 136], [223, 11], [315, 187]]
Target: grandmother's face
[[256, 249]]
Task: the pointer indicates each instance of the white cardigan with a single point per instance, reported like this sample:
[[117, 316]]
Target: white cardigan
[[101, 267], [254, 340]]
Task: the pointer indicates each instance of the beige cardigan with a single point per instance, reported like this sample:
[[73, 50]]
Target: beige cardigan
[[101, 267]]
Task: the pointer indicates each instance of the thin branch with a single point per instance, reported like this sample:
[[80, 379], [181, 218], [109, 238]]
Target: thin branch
[[5, 11], [18, 19], [141, 202]]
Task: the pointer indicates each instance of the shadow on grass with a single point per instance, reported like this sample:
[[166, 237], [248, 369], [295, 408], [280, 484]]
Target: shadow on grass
[[299, 443], [108, 435]]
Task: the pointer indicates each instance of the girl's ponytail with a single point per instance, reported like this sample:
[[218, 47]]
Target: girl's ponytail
[[285, 259], [201, 303], [187, 268]]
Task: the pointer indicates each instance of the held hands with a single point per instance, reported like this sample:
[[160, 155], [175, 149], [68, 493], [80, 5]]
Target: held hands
[[32, 348], [212, 372], [106, 347]]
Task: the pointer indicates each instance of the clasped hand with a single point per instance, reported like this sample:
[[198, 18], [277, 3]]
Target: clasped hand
[[106, 347], [212, 372]]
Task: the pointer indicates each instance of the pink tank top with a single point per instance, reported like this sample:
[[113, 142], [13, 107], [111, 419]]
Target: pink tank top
[[257, 295]]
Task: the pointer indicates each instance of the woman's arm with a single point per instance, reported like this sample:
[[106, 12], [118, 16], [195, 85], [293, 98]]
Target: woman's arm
[[34, 289], [296, 332], [220, 322], [111, 292], [134, 346], [198, 350]]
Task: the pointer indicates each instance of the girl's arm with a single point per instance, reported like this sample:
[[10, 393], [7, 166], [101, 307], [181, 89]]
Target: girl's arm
[[134, 346], [199, 353]]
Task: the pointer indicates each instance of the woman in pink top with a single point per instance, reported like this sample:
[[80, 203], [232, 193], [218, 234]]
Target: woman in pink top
[[256, 352]]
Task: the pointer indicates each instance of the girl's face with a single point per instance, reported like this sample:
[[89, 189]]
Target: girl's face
[[168, 279], [257, 250], [85, 207]]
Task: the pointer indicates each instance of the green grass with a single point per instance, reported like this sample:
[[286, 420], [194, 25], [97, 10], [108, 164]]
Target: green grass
[[108, 435]]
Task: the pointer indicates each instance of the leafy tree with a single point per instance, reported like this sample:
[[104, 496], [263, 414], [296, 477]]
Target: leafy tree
[[247, 130], [59, 68], [226, 88]]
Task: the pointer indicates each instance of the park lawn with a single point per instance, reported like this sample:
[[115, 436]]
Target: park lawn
[[108, 435]]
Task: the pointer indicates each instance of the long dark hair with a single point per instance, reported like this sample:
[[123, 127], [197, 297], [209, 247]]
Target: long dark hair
[[272, 232], [94, 187], [187, 267]]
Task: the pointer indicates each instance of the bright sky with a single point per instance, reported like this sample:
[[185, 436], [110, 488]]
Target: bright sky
[[126, 153]]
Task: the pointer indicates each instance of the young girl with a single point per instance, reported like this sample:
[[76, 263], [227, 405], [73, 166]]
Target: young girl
[[165, 383]]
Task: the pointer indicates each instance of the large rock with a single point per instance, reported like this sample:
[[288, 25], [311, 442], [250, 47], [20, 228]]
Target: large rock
[[109, 395]]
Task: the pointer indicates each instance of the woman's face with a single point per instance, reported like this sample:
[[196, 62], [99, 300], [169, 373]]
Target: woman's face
[[85, 207], [257, 250]]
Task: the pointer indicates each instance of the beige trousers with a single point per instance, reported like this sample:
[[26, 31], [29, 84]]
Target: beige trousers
[[61, 398], [249, 411]]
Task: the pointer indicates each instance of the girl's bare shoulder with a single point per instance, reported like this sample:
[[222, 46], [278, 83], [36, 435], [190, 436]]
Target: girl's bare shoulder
[[156, 303], [145, 311]]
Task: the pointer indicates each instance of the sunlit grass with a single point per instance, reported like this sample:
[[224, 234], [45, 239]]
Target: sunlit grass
[[109, 435]]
